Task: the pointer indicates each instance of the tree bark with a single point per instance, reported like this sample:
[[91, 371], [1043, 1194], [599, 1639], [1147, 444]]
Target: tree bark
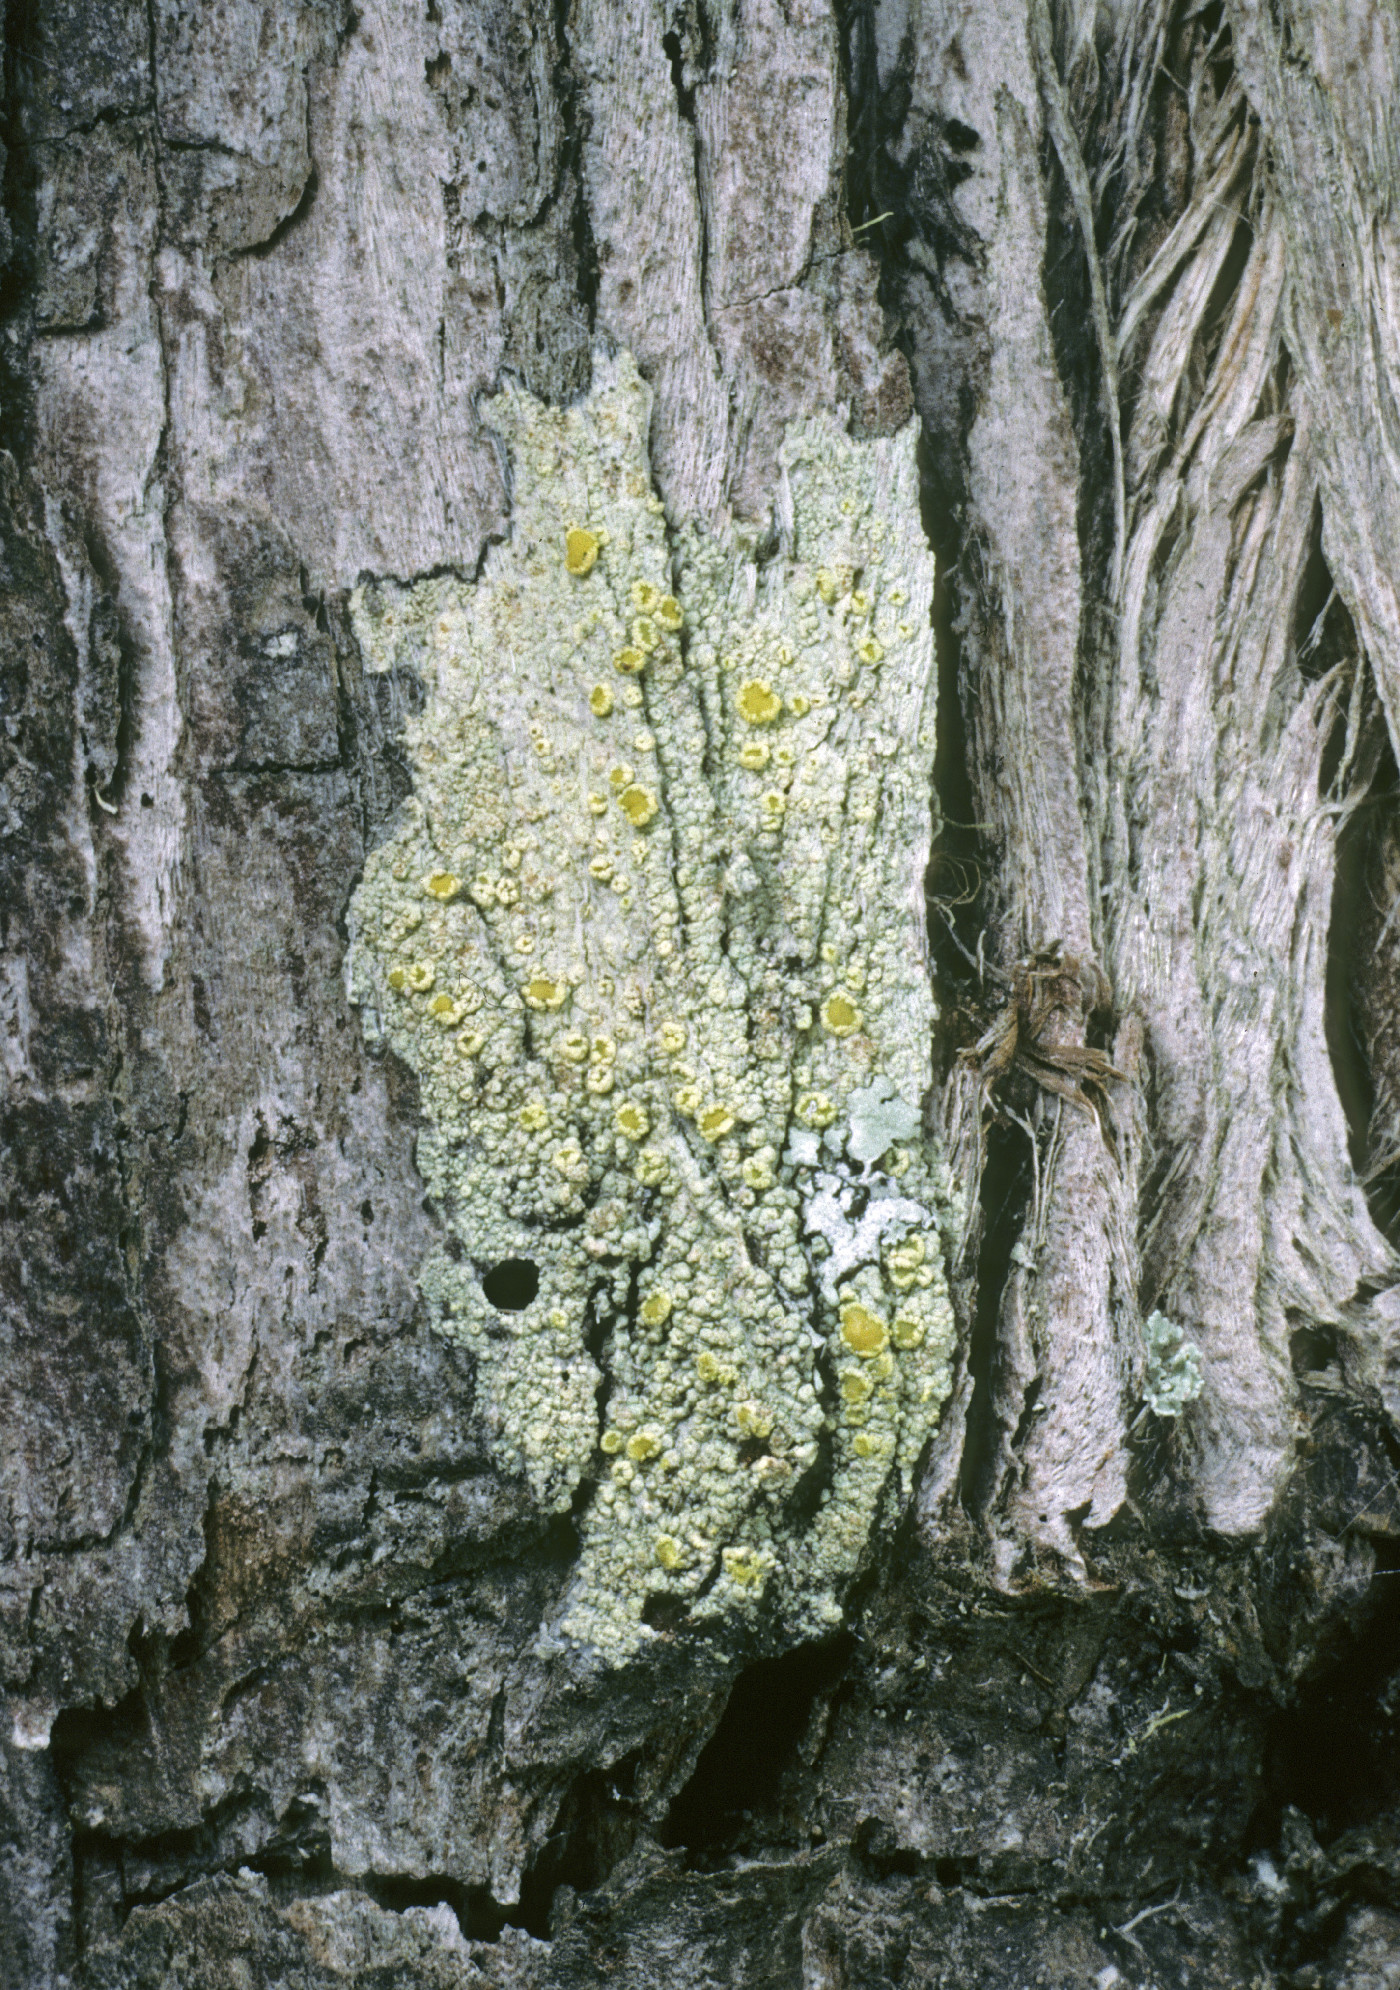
[[1100, 1683]]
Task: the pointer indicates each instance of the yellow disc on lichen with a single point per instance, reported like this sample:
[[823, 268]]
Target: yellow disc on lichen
[[758, 702], [580, 550], [651, 1169], [815, 1109], [600, 701], [631, 1121], [574, 1047], [869, 1445], [840, 1015], [533, 1116], [421, 976], [774, 808], [655, 1309], [611, 1442], [864, 1332], [644, 634], [542, 993], [630, 660], [398, 980], [856, 1388], [754, 754], [869, 651], [908, 1330], [673, 1036], [638, 804], [753, 1419], [668, 612], [442, 884], [715, 1122], [799, 706], [757, 1173], [904, 1262], [669, 1551], [643, 1445], [707, 1366], [744, 1566], [645, 596]]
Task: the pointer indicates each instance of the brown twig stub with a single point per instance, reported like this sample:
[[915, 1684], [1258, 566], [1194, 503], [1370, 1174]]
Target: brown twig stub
[[1034, 1031]]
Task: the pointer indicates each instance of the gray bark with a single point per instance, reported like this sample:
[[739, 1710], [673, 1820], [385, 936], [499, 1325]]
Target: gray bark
[[1115, 1694]]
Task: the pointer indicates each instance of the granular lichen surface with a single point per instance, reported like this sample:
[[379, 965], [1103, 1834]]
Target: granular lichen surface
[[650, 932]]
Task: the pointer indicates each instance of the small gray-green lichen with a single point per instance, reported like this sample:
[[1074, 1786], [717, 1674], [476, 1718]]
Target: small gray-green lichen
[[1173, 1367], [650, 932]]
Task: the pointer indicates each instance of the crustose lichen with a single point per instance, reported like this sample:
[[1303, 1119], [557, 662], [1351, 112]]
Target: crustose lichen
[[650, 933]]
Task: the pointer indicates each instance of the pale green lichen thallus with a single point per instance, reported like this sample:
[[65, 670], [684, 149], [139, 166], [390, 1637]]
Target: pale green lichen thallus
[[650, 932], [1173, 1378]]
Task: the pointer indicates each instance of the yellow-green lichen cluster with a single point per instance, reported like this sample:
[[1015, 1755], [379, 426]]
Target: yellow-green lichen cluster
[[650, 932]]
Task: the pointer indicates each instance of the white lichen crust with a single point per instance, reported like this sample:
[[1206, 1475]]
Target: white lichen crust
[[651, 918]]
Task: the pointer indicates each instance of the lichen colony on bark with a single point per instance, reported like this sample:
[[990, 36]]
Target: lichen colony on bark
[[599, 1380], [642, 1039]]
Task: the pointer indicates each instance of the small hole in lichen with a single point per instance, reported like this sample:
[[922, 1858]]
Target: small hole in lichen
[[665, 1613], [512, 1284]]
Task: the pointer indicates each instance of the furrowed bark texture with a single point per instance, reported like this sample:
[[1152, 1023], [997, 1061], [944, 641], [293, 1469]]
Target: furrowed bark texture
[[1115, 1699]]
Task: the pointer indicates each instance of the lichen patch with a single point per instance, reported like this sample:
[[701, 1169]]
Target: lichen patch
[[649, 1005]]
